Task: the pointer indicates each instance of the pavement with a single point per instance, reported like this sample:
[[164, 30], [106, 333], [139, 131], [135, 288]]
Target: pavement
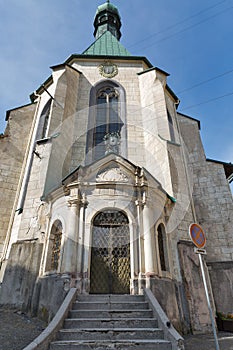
[[207, 342], [17, 330]]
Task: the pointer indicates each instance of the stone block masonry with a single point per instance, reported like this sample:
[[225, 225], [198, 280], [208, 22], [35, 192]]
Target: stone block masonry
[[12, 149]]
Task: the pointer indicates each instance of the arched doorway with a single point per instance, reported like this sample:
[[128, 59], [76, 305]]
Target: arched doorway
[[110, 254]]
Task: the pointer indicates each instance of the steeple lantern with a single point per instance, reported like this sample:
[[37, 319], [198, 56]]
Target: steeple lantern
[[107, 18]]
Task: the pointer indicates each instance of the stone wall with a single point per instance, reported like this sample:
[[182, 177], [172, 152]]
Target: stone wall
[[62, 129], [194, 288], [22, 287], [12, 150], [170, 296], [30, 225], [211, 195], [48, 295], [21, 274], [221, 276]]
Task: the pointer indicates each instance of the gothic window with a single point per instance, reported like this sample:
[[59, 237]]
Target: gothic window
[[54, 248], [44, 121], [171, 127], [162, 247], [105, 119]]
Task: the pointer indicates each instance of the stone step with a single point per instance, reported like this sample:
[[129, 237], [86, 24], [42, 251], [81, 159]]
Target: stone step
[[111, 313], [79, 305], [107, 322], [110, 323], [110, 297], [110, 334], [133, 344]]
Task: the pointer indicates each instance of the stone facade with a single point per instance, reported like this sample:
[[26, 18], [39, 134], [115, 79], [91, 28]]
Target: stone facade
[[13, 151], [157, 181]]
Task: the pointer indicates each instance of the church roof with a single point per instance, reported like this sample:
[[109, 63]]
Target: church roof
[[107, 45], [228, 168]]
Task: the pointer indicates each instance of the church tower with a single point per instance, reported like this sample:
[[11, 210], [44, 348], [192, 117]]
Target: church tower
[[107, 18], [101, 185]]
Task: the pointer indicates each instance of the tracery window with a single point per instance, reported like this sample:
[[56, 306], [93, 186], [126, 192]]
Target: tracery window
[[106, 119]]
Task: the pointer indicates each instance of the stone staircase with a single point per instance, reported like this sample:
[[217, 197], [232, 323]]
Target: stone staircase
[[105, 322]]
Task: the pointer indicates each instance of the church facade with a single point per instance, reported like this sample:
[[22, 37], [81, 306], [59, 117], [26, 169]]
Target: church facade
[[101, 177]]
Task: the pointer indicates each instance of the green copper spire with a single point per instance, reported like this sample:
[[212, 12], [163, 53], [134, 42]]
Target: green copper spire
[[107, 33], [107, 45], [107, 18]]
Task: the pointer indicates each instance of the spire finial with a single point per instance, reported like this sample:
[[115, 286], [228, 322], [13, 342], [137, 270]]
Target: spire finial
[[108, 1]]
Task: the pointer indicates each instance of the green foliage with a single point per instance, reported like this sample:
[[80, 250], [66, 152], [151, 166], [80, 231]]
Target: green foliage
[[223, 316]]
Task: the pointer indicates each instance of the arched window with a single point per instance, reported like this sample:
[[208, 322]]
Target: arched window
[[162, 246], [171, 126], [106, 119], [44, 121], [54, 248]]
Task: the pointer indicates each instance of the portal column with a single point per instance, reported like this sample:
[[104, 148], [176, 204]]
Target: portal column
[[82, 262], [141, 260], [148, 241], [71, 239]]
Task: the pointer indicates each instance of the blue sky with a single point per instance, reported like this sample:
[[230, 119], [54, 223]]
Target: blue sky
[[191, 40]]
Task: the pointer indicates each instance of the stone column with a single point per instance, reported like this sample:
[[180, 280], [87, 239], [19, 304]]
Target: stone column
[[148, 241], [81, 265], [134, 259], [71, 239], [141, 262]]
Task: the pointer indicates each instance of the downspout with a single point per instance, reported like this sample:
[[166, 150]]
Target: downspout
[[22, 185]]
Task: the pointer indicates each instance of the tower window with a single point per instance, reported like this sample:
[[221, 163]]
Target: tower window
[[103, 19]]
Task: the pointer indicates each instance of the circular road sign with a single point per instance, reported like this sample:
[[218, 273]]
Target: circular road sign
[[197, 235]]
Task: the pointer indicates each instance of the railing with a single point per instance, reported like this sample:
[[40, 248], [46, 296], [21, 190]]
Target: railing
[[170, 332], [49, 334]]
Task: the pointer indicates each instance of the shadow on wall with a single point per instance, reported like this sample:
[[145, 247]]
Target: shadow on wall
[[23, 289], [21, 274]]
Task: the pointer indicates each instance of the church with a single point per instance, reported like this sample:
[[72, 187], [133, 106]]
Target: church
[[101, 178]]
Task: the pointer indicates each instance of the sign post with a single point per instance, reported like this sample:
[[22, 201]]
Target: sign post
[[199, 239]]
